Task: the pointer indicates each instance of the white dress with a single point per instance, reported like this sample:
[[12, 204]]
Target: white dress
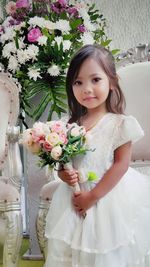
[[115, 231]]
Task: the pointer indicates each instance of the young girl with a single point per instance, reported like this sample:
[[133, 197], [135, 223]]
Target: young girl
[[115, 231]]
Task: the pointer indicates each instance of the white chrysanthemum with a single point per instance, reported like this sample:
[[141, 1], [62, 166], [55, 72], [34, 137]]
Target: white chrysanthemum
[[54, 70], [66, 45], [49, 25], [6, 22], [33, 51], [8, 49], [89, 26], [37, 21], [19, 26], [83, 13], [22, 56], [8, 35], [34, 73], [42, 40], [63, 25], [87, 38], [13, 64]]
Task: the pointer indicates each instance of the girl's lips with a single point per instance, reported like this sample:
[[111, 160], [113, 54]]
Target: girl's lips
[[89, 98]]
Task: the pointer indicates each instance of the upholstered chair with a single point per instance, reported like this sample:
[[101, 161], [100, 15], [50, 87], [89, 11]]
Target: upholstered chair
[[10, 173], [134, 79]]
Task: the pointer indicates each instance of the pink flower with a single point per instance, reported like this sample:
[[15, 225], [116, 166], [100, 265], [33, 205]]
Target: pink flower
[[11, 8], [34, 34], [22, 4], [57, 127], [47, 147], [38, 138], [63, 138]]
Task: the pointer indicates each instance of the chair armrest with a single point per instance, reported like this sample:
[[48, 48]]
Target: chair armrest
[[13, 165]]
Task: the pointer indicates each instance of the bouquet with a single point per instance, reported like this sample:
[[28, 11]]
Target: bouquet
[[36, 43], [56, 143]]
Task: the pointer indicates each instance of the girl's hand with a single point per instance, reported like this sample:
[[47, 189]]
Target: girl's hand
[[68, 176], [82, 201]]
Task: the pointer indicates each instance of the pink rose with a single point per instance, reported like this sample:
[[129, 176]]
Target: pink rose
[[57, 127], [63, 138], [22, 4], [37, 137], [47, 146], [34, 34]]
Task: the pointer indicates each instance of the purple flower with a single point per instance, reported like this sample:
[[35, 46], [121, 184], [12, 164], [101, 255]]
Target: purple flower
[[62, 2], [1, 29], [73, 11], [14, 22], [57, 7], [34, 34], [22, 4], [82, 28]]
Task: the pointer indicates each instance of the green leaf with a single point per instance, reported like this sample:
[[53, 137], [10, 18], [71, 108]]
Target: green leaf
[[41, 107], [115, 51], [106, 43], [75, 23]]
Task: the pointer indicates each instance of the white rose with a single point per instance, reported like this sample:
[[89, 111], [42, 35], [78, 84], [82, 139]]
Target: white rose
[[75, 132], [56, 152], [53, 139]]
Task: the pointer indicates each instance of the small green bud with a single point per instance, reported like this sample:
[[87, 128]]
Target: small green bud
[[92, 176]]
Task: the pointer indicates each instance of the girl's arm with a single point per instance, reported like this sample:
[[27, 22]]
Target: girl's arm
[[84, 200]]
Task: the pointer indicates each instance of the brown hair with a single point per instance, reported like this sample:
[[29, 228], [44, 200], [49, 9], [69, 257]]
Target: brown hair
[[115, 102]]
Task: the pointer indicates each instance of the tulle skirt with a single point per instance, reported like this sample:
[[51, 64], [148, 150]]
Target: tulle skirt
[[114, 233]]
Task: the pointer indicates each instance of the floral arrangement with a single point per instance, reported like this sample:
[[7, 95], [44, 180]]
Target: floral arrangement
[[36, 44], [56, 143]]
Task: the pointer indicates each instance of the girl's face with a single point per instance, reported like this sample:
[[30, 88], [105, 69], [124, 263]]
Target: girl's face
[[91, 87]]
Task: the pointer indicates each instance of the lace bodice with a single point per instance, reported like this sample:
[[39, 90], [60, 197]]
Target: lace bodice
[[112, 131]]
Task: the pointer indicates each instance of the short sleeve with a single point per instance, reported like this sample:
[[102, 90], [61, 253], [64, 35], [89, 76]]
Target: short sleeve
[[128, 129]]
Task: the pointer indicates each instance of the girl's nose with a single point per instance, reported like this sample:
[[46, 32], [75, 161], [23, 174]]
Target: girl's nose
[[87, 89]]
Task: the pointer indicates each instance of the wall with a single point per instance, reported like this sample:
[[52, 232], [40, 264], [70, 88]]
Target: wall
[[128, 21]]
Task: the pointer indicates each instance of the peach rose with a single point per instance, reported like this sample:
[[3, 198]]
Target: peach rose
[[56, 152]]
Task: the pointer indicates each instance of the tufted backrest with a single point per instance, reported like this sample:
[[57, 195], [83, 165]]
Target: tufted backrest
[[9, 110], [134, 80]]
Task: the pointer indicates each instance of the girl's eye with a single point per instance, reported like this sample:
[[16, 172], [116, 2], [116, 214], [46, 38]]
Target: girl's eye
[[77, 83], [97, 79]]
